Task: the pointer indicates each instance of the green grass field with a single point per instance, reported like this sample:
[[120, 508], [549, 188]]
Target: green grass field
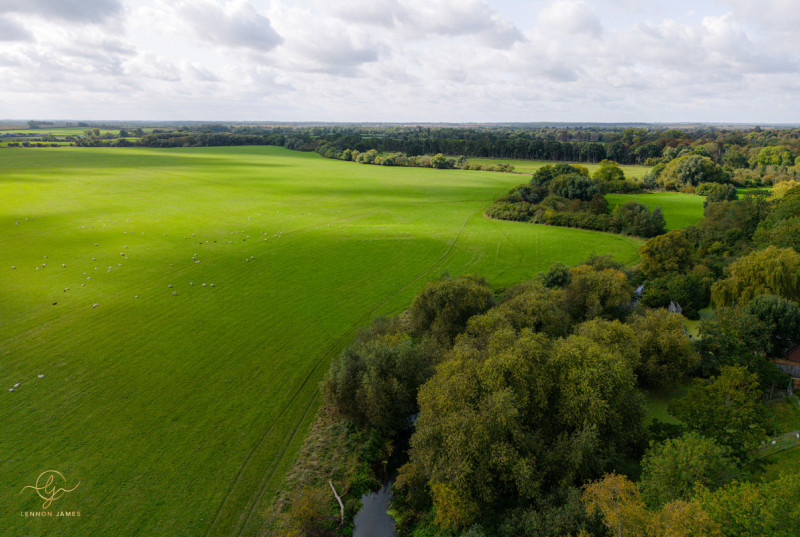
[[63, 131], [787, 419], [530, 166], [680, 210], [179, 414]]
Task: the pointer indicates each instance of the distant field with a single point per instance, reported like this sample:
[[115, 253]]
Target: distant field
[[60, 131], [530, 166], [179, 414], [680, 210]]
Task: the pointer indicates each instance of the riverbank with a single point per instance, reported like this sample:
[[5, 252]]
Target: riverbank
[[336, 452]]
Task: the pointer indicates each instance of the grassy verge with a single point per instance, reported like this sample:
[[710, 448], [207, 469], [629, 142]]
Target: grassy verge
[[333, 451]]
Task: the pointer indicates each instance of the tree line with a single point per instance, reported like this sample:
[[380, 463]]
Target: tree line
[[749, 156]]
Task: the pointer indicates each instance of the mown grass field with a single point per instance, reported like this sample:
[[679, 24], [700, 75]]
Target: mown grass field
[[179, 414], [530, 166], [680, 210], [787, 419]]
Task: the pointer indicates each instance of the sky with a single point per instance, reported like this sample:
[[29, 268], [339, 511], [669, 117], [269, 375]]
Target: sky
[[721, 61]]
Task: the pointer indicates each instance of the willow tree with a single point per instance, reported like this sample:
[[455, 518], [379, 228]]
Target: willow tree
[[774, 271]]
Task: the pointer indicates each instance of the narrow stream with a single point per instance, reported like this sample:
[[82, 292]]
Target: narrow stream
[[373, 520]]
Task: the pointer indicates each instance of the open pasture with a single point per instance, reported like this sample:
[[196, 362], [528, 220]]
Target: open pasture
[[530, 166], [680, 210], [182, 306]]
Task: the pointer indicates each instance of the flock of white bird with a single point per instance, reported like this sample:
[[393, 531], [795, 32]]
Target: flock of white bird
[[125, 256]]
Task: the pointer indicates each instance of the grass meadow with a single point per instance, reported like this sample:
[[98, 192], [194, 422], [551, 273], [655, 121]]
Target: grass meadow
[[530, 166], [179, 405], [680, 210]]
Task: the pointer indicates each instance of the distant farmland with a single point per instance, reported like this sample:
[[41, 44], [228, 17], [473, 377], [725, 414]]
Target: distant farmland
[[179, 405], [530, 166]]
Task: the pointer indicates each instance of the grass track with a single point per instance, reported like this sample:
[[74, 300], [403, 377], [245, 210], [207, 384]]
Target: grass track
[[181, 414]]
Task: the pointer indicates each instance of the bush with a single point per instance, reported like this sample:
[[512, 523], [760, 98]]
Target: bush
[[548, 172], [691, 170], [375, 381], [573, 186], [557, 276]]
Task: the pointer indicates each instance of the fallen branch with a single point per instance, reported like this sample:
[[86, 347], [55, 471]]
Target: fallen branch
[[338, 499]]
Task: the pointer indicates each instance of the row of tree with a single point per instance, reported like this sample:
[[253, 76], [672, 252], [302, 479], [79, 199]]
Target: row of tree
[[749, 155]]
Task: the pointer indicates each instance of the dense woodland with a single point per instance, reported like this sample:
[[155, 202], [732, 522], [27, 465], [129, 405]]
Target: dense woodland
[[525, 405]]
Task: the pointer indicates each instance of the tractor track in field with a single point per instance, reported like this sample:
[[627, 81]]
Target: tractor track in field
[[269, 473]]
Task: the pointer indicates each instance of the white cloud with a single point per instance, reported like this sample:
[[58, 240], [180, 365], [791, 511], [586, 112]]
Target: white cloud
[[316, 44], [10, 30], [431, 19], [571, 17], [235, 24], [81, 11], [372, 12], [394, 60]]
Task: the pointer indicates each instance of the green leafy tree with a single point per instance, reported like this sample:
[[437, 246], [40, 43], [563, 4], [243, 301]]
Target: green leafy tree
[[473, 437], [507, 421], [682, 518], [735, 157], [618, 501], [667, 354], [778, 155], [773, 271], [548, 172], [443, 308], [671, 252], [636, 219], [731, 337], [555, 515], [597, 393], [608, 171], [691, 170], [672, 469], [689, 290], [597, 293], [781, 318], [716, 192], [728, 410], [783, 233], [614, 335], [573, 186], [375, 382], [441, 162], [557, 276], [531, 305], [749, 509]]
